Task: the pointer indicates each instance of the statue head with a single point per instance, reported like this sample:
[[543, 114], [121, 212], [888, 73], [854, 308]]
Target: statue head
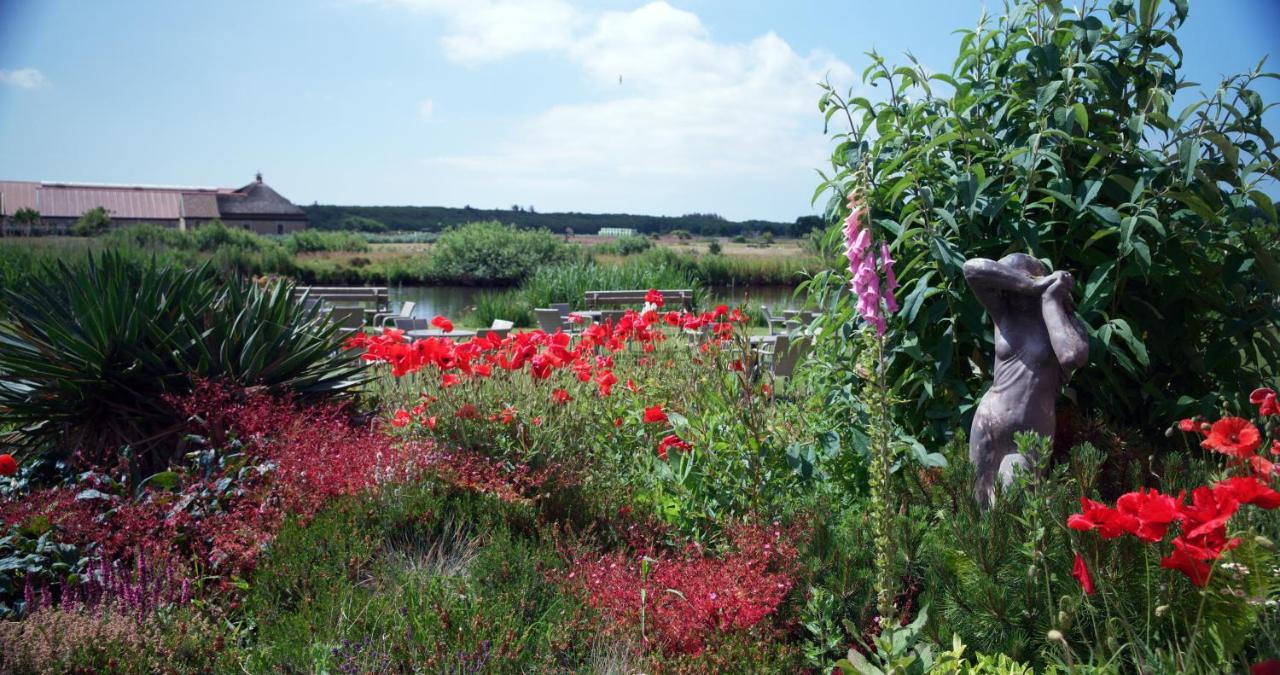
[[1025, 263], [1029, 265]]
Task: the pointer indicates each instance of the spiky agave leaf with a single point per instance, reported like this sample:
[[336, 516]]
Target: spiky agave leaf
[[90, 353]]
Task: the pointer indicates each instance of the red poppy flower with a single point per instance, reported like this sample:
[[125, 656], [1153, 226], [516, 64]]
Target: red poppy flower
[[1208, 512], [672, 441], [560, 396], [468, 411], [654, 297], [1152, 511], [1188, 425], [654, 415], [605, 381], [1081, 572], [1263, 466], [401, 419], [1266, 401], [8, 465], [1269, 667], [1247, 490], [449, 380], [1196, 570], [1275, 447], [617, 422], [431, 423], [508, 415], [631, 386], [1233, 436], [1109, 522], [443, 324]]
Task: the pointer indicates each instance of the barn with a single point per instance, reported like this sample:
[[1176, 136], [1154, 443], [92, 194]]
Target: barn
[[255, 207]]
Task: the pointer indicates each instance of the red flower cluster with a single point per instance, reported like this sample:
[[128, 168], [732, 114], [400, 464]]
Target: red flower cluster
[[8, 465], [538, 352], [672, 441], [689, 597], [1203, 536], [1266, 401]]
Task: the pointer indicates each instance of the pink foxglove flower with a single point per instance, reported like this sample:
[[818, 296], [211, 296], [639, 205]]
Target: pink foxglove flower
[[890, 279], [862, 265]]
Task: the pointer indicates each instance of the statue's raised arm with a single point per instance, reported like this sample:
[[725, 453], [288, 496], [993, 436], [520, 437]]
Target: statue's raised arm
[[1038, 343]]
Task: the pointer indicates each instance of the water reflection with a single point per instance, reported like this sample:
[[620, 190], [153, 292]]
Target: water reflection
[[454, 301]]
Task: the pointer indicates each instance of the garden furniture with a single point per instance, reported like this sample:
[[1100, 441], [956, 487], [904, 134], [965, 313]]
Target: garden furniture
[[436, 333], [381, 319], [550, 320], [349, 319], [770, 320], [673, 298]]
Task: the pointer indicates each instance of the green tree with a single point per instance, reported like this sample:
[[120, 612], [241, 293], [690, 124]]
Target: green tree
[[91, 222], [1055, 134], [26, 218]]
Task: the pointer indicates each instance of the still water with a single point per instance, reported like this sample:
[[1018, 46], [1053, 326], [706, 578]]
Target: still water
[[454, 301]]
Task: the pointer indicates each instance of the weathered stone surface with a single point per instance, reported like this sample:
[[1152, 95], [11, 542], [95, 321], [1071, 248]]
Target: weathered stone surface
[[1039, 342]]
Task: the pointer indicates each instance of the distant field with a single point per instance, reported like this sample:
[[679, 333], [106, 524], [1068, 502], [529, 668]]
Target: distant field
[[780, 247]]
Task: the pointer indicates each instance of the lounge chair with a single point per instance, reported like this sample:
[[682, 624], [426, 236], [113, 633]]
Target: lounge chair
[[562, 307], [499, 327], [770, 320], [382, 319], [549, 320]]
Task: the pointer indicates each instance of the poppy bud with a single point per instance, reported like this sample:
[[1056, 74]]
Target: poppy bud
[[1055, 636], [1064, 620], [1162, 610], [1264, 542]]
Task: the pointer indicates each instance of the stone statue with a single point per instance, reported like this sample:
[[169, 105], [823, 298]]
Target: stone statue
[[1039, 343]]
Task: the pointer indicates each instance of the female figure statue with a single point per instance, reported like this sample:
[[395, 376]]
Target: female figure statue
[[1039, 343]]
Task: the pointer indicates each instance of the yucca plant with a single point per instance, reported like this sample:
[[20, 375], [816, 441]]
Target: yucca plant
[[91, 354]]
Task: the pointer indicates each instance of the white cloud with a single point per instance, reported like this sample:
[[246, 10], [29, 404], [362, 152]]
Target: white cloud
[[677, 119], [24, 78], [488, 30], [425, 107]]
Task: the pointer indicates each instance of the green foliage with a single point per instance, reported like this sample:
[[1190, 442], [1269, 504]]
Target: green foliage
[[362, 224], [90, 352], [92, 222], [1001, 580], [26, 217], [1055, 134], [416, 576], [440, 218], [624, 246], [509, 305], [495, 254], [714, 247], [569, 283], [896, 650], [312, 241]]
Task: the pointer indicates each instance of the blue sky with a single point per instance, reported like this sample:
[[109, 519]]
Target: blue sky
[[480, 102]]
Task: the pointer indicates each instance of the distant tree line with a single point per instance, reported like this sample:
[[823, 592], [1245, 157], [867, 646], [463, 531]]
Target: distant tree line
[[437, 218]]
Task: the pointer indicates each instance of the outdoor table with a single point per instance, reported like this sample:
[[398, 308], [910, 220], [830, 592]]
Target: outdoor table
[[593, 314], [431, 332]]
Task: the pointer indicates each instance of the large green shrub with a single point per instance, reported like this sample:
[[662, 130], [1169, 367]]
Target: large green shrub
[[90, 353], [312, 241], [1056, 134], [495, 254]]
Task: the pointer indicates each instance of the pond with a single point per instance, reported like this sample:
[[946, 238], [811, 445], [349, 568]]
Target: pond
[[454, 301]]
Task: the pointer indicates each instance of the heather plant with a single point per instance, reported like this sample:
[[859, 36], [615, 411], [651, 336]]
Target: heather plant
[[1056, 133]]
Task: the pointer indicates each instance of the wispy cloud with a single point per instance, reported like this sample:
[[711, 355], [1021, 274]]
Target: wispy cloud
[[425, 108], [23, 78], [673, 111]]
